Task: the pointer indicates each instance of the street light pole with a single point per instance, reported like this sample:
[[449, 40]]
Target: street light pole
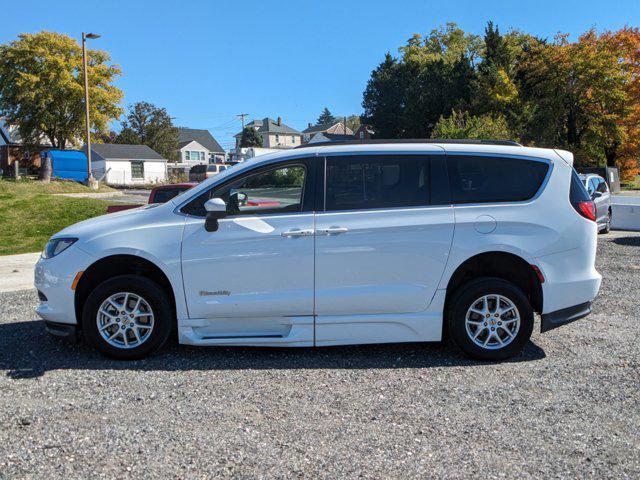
[[90, 180]]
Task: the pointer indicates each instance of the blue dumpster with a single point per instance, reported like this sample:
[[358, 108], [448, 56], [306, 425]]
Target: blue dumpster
[[67, 164]]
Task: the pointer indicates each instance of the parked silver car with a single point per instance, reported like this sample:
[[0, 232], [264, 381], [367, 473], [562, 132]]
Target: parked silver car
[[601, 196]]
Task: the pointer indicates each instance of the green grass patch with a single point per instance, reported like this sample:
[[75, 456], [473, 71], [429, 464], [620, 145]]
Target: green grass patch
[[27, 186], [30, 213]]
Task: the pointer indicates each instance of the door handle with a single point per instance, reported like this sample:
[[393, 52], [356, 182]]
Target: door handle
[[297, 233], [332, 230]]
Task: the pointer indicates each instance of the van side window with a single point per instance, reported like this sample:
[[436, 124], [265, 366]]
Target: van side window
[[274, 190], [484, 179], [383, 181]]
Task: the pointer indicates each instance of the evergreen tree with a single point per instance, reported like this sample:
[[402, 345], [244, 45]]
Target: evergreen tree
[[325, 117], [250, 138]]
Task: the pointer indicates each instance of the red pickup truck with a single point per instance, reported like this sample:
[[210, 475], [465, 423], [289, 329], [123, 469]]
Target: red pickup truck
[[160, 194]]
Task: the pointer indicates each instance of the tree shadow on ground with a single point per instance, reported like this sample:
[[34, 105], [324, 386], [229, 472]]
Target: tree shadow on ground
[[27, 351]]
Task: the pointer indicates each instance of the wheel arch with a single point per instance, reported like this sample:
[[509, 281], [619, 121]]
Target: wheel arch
[[504, 265], [120, 264]]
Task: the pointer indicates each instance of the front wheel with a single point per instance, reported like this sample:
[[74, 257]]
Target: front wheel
[[127, 317], [490, 319]]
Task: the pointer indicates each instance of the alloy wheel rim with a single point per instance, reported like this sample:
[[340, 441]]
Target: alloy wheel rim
[[492, 321], [125, 320]]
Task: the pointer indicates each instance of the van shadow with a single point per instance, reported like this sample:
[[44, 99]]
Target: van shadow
[[27, 351], [627, 241]]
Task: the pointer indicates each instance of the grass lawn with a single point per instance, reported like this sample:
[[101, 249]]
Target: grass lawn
[[30, 213]]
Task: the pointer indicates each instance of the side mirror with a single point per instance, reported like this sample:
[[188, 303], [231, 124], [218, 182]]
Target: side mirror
[[216, 209], [596, 194]]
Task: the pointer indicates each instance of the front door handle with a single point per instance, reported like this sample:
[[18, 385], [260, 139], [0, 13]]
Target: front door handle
[[297, 233], [332, 230]]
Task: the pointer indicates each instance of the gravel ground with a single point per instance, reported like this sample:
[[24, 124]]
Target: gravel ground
[[569, 407]]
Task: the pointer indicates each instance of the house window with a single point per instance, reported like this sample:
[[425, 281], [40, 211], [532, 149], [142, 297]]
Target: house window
[[277, 139], [293, 139], [137, 170], [194, 155]]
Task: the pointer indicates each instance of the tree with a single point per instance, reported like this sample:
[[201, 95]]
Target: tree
[[383, 100], [42, 88], [464, 125], [149, 125], [580, 94], [353, 122], [325, 117], [250, 138], [405, 97]]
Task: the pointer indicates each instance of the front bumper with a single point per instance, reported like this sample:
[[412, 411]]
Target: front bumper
[[53, 279], [62, 330], [562, 317]]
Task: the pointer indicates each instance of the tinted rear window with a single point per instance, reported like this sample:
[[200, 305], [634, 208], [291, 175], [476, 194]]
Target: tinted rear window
[[365, 182], [577, 192], [480, 179]]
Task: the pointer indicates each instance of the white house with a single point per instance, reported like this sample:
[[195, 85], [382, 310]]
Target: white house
[[117, 164], [274, 133], [197, 146]]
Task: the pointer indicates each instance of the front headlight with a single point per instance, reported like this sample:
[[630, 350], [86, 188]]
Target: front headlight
[[56, 246]]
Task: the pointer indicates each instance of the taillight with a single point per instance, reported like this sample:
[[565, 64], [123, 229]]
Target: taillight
[[587, 210], [580, 199]]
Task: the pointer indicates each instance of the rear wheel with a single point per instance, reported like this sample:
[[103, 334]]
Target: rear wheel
[[490, 319], [127, 317]]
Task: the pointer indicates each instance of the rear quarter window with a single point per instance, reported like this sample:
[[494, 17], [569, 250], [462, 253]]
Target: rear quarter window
[[485, 179]]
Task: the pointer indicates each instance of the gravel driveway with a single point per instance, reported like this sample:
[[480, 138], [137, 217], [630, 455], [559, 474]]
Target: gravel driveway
[[568, 407]]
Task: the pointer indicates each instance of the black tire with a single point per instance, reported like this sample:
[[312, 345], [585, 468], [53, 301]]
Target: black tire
[[466, 296], [607, 225], [151, 292]]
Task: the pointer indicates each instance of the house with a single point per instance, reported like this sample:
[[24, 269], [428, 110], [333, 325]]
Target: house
[[12, 149], [333, 128], [196, 146], [274, 133], [364, 132], [329, 137], [117, 164]]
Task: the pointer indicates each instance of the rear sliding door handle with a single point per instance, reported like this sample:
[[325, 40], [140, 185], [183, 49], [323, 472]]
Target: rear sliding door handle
[[332, 230], [297, 233]]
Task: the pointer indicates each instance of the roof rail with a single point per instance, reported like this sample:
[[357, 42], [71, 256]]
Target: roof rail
[[464, 141]]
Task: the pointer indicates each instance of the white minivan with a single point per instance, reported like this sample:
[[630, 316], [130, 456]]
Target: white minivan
[[337, 244]]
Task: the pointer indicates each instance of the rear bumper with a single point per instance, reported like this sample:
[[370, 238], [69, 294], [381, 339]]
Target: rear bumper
[[562, 317], [62, 330]]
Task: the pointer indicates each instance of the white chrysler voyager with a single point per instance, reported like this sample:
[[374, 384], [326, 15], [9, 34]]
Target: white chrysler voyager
[[337, 244]]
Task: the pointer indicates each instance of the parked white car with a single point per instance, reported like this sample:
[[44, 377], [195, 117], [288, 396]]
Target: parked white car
[[336, 245]]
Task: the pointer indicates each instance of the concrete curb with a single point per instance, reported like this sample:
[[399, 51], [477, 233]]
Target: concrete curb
[[17, 271], [625, 217], [91, 195]]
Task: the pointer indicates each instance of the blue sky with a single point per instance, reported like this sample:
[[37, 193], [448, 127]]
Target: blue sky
[[205, 61]]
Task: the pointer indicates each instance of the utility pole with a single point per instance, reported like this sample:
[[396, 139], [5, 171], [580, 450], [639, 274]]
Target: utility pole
[[242, 115], [345, 125], [90, 180]]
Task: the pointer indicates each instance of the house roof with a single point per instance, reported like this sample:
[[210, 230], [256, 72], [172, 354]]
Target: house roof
[[203, 137], [269, 125], [125, 152], [336, 137], [5, 134], [320, 128]]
